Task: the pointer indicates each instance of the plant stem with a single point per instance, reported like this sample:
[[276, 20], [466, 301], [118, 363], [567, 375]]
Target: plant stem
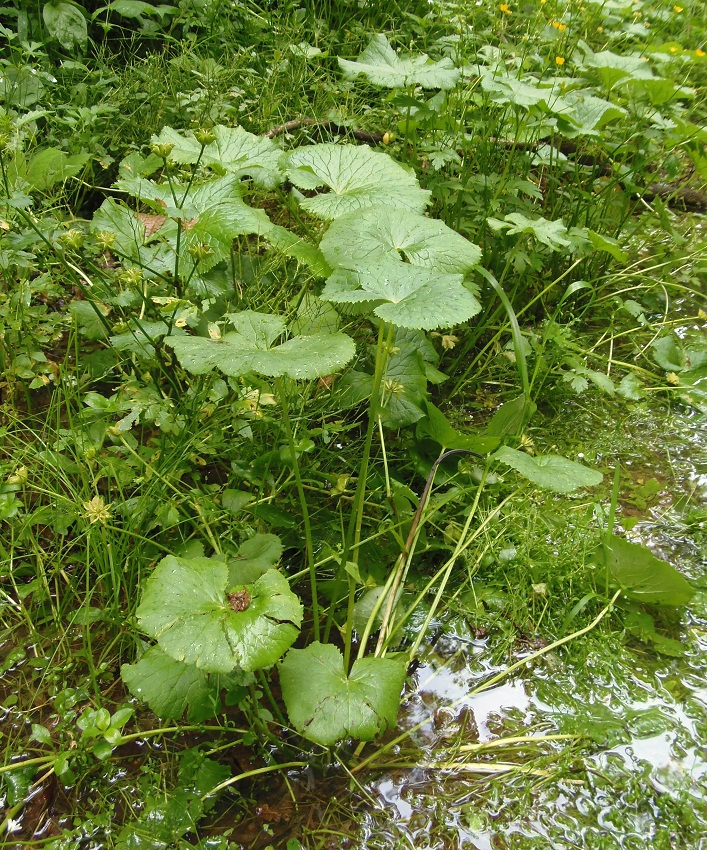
[[309, 547]]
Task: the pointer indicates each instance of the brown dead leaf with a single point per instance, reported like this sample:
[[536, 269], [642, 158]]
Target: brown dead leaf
[[152, 222]]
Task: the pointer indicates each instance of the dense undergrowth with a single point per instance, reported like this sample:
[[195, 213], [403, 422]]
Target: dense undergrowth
[[334, 339]]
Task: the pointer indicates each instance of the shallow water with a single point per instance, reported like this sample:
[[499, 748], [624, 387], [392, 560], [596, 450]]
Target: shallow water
[[636, 775]]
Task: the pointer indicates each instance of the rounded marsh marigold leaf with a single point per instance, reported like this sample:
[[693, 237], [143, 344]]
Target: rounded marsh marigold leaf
[[325, 705], [196, 618]]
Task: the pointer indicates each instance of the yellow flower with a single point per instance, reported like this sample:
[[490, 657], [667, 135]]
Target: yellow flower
[[673, 50], [562, 27], [505, 8], [678, 9], [559, 60], [700, 53], [96, 510], [556, 24]]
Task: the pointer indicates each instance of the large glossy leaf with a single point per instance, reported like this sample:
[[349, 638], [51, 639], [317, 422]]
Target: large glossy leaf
[[325, 705], [247, 350], [383, 67], [407, 296], [197, 618], [551, 472], [233, 150], [172, 687], [379, 235], [356, 177], [254, 557], [641, 575]]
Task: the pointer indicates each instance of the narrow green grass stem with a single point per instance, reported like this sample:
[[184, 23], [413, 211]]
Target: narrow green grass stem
[[309, 547]]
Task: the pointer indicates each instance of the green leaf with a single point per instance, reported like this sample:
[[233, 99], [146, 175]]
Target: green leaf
[[88, 320], [247, 350], [233, 150], [436, 426], [66, 22], [356, 177], [383, 234], [550, 233], [606, 243], [408, 296], [255, 557], [642, 576], [511, 416], [642, 626], [294, 246], [50, 166], [551, 472], [325, 705], [186, 608], [172, 687], [383, 67], [678, 355]]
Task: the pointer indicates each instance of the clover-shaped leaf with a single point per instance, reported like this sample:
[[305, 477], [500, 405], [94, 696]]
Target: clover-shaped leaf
[[248, 349], [550, 471], [383, 67], [377, 234], [325, 705], [197, 618], [356, 178]]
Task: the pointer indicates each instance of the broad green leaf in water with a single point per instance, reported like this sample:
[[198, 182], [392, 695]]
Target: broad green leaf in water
[[247, 350], [172, 687], [190, 609], [384, 234], [325, 705], [678, 355], [233, 150], [411, 297], [254, 557], [551, 472], [642, 576], [383, 67], [356, 177]]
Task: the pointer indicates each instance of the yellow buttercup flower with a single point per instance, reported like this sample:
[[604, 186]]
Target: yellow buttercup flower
[[505, 8], [700, 53], [678, 9], [559, 60]]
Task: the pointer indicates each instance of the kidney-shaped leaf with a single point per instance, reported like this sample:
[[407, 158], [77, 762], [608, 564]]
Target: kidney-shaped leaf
[[170, 687], [255, 557], [550, 471], [196, 618], [233, 150], [325, 705], [412, 297], [356, 177], [377, 234], [642, 576], [383, 67], [247, 349]]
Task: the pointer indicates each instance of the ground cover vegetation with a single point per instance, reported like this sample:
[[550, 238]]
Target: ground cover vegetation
[[353, 373]]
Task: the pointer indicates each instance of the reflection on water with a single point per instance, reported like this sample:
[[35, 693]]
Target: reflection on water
[[637, 777]]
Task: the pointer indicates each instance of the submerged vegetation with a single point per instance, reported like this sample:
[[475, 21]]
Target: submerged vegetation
[[354, 379]]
